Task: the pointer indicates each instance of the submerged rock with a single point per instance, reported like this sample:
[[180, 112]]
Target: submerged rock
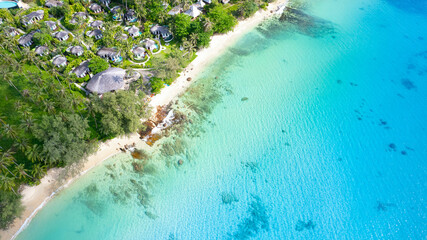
[[244, 99], [301, 225], [408, 84], [228, 198]]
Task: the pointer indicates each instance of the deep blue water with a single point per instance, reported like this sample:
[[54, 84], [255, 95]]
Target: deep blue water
[[314, 128]]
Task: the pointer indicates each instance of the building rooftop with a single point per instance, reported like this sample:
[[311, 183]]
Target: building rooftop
[[107, 81], [59, 60]]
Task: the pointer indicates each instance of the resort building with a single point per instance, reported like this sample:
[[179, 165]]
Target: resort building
[[176, 10], [207, 1], [150, 45], [97, 34], [11, 31], [32, 17], [59, 61], [41, 50], [61, 35], [82, 69], [224, 1], [51, 25], [96, 8], [77, 50], [130, 15], [97, 24], [116, 13], [109, 54], [138, 52], [200, 4], [53, 3], [27, 39], [193, 11], [161, 32], [105, 2], [80, 14], [133, 31], [109, 80]]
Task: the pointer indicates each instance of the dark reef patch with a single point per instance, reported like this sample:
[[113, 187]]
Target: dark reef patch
[[256, 221], [383, 207], [412, 6], [408, 84], [228, 198], [301, 225], [295, 20], [252, 166]]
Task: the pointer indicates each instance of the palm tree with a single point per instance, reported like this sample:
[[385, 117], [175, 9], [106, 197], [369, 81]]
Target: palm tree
[[33, 153], [8, 131], [5, 161], [27, 123], [26, 112], [8, 76], [18, 105], [49, 106], [193, 38], [38, 171], [21, 172], [208, 25], [7, 183], [21, 144]]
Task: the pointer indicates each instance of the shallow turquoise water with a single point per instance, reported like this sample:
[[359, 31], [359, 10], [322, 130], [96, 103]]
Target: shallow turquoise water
[[329, 144]]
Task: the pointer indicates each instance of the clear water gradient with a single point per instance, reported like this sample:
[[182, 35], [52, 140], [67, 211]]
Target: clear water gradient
[[309, 130]]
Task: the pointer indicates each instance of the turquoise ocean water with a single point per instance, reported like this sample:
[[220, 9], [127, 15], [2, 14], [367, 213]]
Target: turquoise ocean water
[[313, 128]]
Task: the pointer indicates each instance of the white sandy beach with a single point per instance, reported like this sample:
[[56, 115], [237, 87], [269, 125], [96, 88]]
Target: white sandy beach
[[34, 198]]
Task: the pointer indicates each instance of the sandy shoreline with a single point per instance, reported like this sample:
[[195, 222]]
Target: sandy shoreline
[[34, 198]]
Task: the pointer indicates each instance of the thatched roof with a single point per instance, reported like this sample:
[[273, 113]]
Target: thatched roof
[[59, 60], [96, 24], [76, 50], [27, 38], [157, 29], [51, 24], [41, 50], [81, 14], [107, 81], [95, 7], [193, 11], [130, 14], [107, 52], [133, 30], [94, 33], [138, 50], [149, 44], [82, 69], [53, 3], [31, 15], [175, 10], [61, 35]]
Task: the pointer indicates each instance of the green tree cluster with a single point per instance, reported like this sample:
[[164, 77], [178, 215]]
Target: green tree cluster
[[97, 65], [222, 20], [10, 207], [118, 113], [64, 138]]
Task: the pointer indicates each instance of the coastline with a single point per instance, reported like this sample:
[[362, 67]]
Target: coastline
[[34, 198]]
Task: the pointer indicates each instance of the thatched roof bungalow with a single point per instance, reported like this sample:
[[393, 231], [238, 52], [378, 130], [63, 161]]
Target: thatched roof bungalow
[[109, 80]]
